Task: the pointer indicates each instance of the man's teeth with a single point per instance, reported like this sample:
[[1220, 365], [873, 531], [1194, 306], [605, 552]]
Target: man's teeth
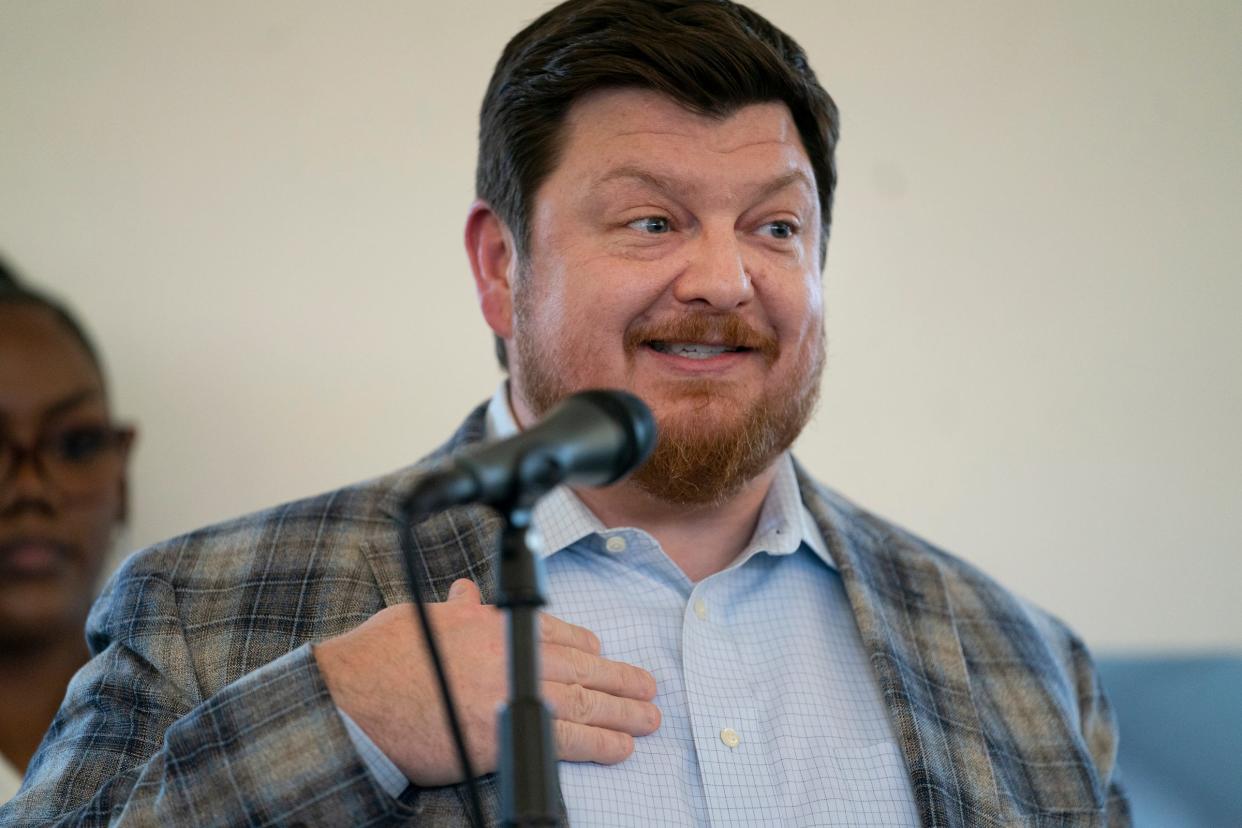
[[691, 350]]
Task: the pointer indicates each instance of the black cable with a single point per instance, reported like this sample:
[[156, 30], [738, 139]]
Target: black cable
[[406, 534]]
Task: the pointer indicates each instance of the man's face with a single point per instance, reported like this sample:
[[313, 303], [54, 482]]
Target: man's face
[[675, 256]]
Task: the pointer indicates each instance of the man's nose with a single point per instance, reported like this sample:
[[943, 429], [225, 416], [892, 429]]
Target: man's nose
[[715, 274]]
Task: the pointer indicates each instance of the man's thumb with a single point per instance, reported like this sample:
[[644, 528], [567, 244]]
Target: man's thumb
[[464, 589]]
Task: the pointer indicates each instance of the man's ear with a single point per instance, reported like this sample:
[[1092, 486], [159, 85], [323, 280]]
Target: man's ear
[[493, 258]]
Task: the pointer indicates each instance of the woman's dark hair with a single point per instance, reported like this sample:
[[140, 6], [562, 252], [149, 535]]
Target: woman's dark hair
[[711, 56], [13, 292]]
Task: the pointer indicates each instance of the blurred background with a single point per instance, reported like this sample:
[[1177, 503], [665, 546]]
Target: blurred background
[[1033, 281]]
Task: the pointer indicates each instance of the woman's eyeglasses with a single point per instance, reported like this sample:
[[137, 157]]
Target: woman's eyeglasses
[[77, 460]]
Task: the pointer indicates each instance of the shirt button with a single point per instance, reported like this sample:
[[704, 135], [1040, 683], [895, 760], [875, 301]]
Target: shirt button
[[615, 544], [700, 609], [729, 737]]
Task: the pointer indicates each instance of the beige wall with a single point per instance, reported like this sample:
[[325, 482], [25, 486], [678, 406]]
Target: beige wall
[[1033, 282]]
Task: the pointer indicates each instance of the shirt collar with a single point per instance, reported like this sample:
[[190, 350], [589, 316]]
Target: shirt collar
[[562, 519], [501, 421]]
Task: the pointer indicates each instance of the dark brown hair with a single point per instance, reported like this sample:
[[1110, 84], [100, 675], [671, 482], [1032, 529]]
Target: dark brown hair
[[711, 56]]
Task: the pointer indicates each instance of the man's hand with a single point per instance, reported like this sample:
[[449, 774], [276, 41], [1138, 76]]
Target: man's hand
[[380, 673]]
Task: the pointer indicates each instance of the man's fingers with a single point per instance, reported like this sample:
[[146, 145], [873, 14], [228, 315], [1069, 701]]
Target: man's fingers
[[466, 590], [584, 743], [569, 665], [581, 705], [555, 631]]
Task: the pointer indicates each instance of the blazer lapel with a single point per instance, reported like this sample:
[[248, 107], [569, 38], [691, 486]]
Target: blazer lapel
[[899, 599], [456, 543]]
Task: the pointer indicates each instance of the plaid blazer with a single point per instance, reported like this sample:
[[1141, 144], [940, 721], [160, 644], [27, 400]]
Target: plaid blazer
[[203, 706]]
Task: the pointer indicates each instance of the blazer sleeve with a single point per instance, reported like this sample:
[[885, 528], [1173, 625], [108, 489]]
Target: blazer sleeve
[[136, 742]]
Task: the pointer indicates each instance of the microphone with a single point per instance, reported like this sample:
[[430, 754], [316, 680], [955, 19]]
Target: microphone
[[592, 438]]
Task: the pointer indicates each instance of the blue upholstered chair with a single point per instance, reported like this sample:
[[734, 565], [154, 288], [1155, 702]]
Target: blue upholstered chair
[[1181, 738]]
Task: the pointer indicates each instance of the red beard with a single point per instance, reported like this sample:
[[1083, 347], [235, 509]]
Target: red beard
[[697, 461]]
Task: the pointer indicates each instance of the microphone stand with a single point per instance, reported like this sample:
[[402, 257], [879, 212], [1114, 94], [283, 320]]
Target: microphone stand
[[530, 792], [529, 788]]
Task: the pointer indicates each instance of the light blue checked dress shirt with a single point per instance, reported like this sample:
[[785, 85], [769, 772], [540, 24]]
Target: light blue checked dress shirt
[[771, 712]]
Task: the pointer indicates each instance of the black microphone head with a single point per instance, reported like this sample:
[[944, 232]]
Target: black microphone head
[[592, 438], [636, 421]]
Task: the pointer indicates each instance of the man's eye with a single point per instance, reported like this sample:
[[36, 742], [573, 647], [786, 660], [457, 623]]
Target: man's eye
[[652, 224], [80, 445], [781, 229]]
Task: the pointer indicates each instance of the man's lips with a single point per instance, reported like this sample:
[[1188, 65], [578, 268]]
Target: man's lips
[[703, 337], [695, 350], [33, 557], [699, 361]]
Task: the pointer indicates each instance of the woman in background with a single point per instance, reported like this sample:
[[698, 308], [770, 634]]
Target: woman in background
[[62, 495]]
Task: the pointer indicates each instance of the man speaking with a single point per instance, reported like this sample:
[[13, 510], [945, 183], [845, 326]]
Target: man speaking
[[727, 642]]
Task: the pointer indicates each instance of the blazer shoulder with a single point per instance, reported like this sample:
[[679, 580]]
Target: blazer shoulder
[[221, 550], [296, 534]]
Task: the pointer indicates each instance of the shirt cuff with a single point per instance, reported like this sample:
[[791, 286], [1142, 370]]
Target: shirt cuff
[[388, 775]]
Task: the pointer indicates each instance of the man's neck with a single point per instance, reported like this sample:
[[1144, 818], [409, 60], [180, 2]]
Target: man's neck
[[701, 540]]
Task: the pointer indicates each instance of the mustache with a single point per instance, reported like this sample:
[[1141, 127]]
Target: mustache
[[728, 330]]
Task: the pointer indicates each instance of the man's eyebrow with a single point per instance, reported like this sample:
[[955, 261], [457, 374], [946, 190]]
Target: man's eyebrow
[[672, 187], [787, 180], [658, 182]]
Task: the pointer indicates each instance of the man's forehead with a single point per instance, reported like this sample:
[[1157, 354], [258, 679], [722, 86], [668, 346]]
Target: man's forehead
[[616, 114], [646, 138]]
